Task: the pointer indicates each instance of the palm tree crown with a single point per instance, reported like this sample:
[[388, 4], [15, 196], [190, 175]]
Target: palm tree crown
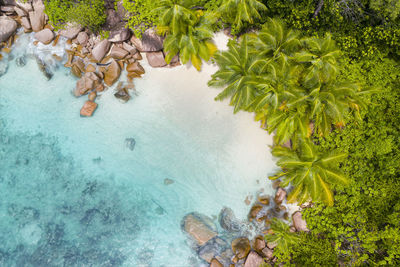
[[310, 172]]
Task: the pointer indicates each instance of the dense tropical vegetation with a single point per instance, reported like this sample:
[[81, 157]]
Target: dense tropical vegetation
[[322, 76]]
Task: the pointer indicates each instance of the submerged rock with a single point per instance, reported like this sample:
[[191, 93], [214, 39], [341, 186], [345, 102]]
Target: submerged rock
[[20, 61], [228, 221], [44, 68], [168, 181], [212, 248], [3, 67], [198, 228], [130, 143]]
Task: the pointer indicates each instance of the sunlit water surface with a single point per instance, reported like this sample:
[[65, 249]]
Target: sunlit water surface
[[73, 194]]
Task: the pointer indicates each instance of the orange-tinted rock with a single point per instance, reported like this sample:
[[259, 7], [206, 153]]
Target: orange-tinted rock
[[264, 200], [241, 247], [198, 229], [215, 263], [112, 73], [92, 96], [254, 211], [135, 67], [90, 68], [88, 108]]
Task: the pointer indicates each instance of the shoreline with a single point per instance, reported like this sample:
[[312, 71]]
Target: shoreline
[[112, 65]]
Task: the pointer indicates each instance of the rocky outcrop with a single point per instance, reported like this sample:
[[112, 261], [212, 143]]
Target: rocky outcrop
[[228, 221], [198, 229], [120, 35], [118, 53], [100, 50], [82, 38], [87, 83], [8, 26], [299, 223], [45, 36], [280, 196], [112, 73], [253, 260], [215, 263], [151, 42], [212, 248], [137, 43], [241, 247], [70, 30], [88, 109], [25, 22], [26, 6], [37, 20], [156, 59]]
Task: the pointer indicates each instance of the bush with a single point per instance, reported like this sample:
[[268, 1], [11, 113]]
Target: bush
[[87, 13], [142, 15]]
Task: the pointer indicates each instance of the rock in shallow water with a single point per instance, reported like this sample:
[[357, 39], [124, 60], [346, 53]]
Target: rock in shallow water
[[198, 228], [44, 68], [3, 67], [130, 143], [20, 61], [228, 221]]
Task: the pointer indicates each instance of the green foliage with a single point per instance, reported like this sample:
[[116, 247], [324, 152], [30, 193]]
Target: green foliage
[[189, 31], [387, 9], [288, 82], [311, 172], [309, 250], [364, 222], [239, 12], [141, 16], [87, 13], [281, 236]]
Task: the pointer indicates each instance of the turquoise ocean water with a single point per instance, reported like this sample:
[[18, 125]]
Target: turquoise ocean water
[[73, 194]]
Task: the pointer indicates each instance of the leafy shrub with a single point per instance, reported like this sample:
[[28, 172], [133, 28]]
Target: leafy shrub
[[142, 15], [87, 13]]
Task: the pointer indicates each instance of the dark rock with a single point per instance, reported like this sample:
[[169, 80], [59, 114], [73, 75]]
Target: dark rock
[[168, 181], [44, 68], [228, 221], [130, 143], [20, 61], [151, 42], [123, 95]]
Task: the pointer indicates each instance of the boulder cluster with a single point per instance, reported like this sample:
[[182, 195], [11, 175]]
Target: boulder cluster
[[227, 243], [98, 62]]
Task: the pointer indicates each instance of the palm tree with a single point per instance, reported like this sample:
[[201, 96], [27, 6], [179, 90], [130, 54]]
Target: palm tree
[[319, 59], [275, 40], [331, 103], [189, 32], [175, 16], [281, 236], [236, 12], [309, 171], [237, 69], [193, 45]]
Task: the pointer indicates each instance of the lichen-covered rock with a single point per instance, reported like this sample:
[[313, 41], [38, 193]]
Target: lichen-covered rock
[[100, 50], [198, 229], [112, 73], [70, 30], [299, 223], [241, 247], [253, 260], [45, 36], [120, 35], [7, 28], [88, 109], [156, 59]]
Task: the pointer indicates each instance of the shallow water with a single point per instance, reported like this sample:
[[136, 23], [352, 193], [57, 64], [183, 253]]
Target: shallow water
[[73, 194]]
